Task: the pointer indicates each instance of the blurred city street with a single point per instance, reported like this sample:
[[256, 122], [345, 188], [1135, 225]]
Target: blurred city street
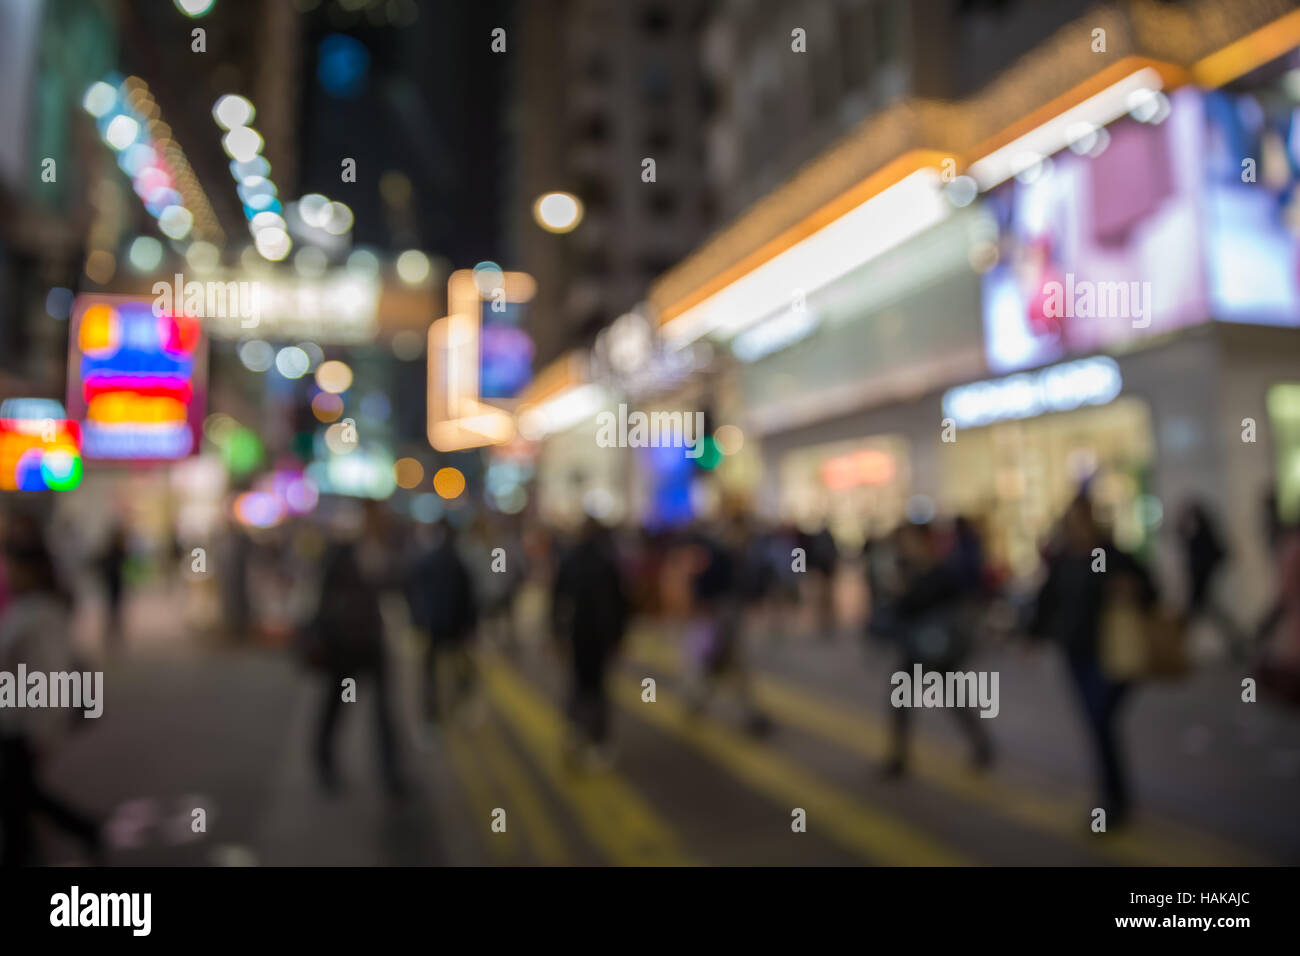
[[227, 731], [637, 432]]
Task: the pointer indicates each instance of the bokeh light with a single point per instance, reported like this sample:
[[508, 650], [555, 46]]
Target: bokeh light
[[449, 482], [408, 473], [334, 376]]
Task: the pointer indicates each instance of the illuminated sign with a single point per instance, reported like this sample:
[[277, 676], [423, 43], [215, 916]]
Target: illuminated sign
[[1060, 388], [38, 454], [867, 467], [457, 418], [132, 379]]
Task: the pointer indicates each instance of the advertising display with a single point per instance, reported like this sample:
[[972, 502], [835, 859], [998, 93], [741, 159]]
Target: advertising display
[[1099, 244], [135, 379], [1182, 212]]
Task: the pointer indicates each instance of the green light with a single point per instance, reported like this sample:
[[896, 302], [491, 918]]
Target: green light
[[710, 454]]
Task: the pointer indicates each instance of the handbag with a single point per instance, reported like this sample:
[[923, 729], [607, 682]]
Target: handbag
[[1123, 647]]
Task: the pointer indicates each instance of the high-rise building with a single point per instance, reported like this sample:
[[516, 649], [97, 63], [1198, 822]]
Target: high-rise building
[[600, 89]]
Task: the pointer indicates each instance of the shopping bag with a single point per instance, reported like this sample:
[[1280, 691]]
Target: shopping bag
[[1124, 652]]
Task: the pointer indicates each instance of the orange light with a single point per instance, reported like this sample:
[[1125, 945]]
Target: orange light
[[408, 473], [133, 407], [326, 406], [449, 483], [99, 330], [867, 467]]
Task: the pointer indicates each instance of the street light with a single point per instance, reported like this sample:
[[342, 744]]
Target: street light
[[558, 212]]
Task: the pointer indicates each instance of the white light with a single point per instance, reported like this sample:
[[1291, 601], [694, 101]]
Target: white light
[[272, 243], [314, 210], [232, 111], [292, 362], [242, 144], [194, 8], [145, 254], [121, 132], [267, 220], [774, 334], [961, 192], [256, 355], [203, 256], [569, 408], [99, 99], [1054, 135], [558, 212], [413, 267], [310, 262], [363, 262], [905, 209], [176, 222], [339, 220], [1059, 388]]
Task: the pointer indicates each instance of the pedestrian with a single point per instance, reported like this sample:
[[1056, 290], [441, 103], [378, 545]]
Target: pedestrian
[[1203, 555], [445, 607], [1092, 603], [35, 631], [715, 634], [928, 613], [589, 616], [112, 568], [345, 642]]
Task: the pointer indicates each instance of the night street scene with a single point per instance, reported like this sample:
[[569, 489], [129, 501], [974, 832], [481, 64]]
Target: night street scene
[[622, 433]]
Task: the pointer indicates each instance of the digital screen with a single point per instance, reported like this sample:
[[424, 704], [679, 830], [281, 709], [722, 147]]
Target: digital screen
[[505, 351], [1098, 249], [134, 379]]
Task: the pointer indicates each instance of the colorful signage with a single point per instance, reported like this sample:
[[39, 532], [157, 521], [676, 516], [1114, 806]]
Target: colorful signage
[[134, 379], [39, 454]]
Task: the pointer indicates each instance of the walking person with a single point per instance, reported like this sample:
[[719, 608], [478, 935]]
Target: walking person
[[35, 631], [1204, 554], [589, 615], [444, 605], [345, 640], [1090, 604], [928, 615]]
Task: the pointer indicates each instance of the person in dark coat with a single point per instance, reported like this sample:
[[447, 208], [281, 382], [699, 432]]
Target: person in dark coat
[[345, 640], [1070, 609], [928, 612], [1203, 555], [444, 606], [589, 615]]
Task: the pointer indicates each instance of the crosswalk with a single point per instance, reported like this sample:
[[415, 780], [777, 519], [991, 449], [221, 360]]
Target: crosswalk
[[688, 788]]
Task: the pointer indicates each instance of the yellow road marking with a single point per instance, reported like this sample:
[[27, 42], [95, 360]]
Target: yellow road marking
[[880, 837], [1143, 844], [523, 797], [478, 793], [618, 821]]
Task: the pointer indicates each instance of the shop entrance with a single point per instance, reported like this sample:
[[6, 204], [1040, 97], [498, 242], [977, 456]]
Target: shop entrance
[[1016, 478]]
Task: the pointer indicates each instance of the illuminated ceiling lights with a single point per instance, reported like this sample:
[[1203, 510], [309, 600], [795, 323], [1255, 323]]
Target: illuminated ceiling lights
[[130, 122], [905, 209], [457, 418], [1064, 129], [260, 199]]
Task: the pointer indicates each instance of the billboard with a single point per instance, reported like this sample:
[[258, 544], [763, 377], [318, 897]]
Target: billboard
[[135, 379], [1180, 213]]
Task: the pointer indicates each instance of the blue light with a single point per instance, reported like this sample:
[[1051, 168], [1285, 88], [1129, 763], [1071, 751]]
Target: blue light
[[342, 67]]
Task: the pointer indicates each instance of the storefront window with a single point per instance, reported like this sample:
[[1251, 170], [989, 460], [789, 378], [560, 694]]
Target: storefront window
[[1284, 414]]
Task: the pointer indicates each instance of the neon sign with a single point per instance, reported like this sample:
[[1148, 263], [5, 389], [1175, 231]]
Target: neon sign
[[39, 454], [131, 379]]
